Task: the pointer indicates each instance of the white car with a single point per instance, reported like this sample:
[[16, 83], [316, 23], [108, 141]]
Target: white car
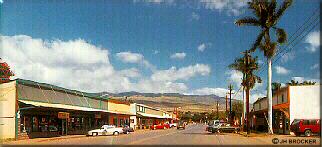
[[173, 125], [106, 130]]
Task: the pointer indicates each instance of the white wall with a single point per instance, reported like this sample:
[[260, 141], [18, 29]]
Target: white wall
[[7, 110], [304, 102], [133, 111]]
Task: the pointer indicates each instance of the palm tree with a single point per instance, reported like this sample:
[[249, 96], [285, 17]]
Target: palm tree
[[276, 86], [266, 17], [247, 65]]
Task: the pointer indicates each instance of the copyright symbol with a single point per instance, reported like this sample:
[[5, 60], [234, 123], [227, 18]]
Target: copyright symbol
[[275, 140]]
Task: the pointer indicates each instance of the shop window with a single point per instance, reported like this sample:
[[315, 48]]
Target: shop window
[[34, 124]]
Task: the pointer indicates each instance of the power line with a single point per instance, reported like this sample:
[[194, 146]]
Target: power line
[[265, 64], [305, 23]]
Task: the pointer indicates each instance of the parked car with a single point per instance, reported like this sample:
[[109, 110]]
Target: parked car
[[127, 129], [173, 125], [213, 126], [160, 126], [308, 127], [106, 130], [181, 124]]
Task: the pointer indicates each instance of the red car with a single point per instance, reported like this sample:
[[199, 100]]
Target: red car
[[160, 126], [308, 127]]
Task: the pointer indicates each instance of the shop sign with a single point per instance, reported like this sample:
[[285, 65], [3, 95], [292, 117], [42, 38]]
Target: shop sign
[[98, 116], [63, 115]]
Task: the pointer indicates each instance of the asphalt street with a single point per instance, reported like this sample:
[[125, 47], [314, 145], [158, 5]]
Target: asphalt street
[[194, 134]]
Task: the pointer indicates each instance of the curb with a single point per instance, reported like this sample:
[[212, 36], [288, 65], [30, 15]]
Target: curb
[[61, 138]]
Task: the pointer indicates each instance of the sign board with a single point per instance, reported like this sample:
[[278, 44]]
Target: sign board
[[63, 115], [98, 116]]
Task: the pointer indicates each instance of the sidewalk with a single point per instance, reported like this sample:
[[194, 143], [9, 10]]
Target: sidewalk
[[27, 141]]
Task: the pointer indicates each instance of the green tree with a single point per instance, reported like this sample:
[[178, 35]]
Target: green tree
[[266, 16], [247, 65]]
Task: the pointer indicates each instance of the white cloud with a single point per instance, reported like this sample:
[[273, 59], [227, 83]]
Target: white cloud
[[313, 39], [183, 73], [207, 91], [150, 86], [231, 6], [195, 16], [255, 96], [132, 72], [75, 64], [203, 46], [178, 55], [281, 70], [154, 1], [315, 66], [129, 57], [288, 57], [235, 77], [1, 1]]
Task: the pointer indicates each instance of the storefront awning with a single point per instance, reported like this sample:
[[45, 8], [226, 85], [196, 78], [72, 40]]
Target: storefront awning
[[149, 115], [69, 107]]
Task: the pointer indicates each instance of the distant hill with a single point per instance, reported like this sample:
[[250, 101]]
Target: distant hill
[[168, 101]]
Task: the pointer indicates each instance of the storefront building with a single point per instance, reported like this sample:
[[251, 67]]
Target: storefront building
[[289, 103], [31, 109], [147, 116]]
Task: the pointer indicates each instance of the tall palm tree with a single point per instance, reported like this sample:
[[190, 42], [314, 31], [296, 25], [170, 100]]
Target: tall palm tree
[[247, 65], [266, 17]]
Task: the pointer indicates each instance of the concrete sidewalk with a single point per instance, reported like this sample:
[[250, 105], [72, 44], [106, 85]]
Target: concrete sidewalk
[[27, 141]]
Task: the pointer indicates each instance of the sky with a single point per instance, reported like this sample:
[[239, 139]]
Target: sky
[[148, 46]]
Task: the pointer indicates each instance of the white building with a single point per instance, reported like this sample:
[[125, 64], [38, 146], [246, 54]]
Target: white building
[[295, 102], [289, 103]]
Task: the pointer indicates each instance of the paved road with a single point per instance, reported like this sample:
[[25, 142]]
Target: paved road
[[193, 134]]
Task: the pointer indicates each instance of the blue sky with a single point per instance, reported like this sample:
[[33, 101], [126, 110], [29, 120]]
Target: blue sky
[[149, 32]]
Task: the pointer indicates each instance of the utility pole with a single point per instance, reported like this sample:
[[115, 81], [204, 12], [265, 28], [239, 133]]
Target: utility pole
[[217, 109], [226, 106], [230, 87]]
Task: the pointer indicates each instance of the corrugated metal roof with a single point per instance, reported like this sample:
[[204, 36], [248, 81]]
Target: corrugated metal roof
[[50, 87]]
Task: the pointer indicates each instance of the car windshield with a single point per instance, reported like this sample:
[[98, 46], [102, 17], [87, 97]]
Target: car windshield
[[296, 121], [180, 122]]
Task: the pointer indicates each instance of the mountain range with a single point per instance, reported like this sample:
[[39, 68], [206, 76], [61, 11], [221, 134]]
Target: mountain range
[[168, 101]]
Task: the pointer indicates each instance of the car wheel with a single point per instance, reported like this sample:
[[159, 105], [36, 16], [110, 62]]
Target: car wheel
[[95, 134], [116, 133], [308, 133]]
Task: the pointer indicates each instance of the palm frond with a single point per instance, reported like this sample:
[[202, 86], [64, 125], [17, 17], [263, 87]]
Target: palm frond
[[281, 35], [257, 41], [251, 21], [282, 9]]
